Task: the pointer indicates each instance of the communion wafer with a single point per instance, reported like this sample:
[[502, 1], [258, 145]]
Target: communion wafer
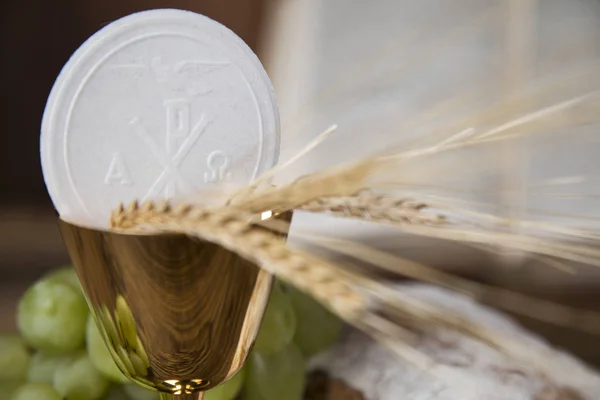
[[157, 104]]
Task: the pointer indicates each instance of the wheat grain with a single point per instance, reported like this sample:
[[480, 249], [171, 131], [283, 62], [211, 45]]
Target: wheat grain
[[369, 206]]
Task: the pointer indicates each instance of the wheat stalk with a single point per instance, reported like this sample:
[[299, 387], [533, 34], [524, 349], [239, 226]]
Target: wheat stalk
[[409, 211], [464, 226], [369, 206], [348, 179], [517, 303], [352, 190], [233, 230], [355, 298]]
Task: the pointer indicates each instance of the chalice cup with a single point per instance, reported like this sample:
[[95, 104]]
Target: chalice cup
[[179, 314]]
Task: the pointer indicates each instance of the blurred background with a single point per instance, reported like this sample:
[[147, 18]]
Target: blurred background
[[366, 65]]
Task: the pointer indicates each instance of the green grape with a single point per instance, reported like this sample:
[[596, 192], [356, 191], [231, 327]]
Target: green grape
[[116, 393], [14, 358], [251, 392], [100, 355], [66, 275], [137, 392], [80, 380], [52, 316], [229, 389], [43, 366], [317, 328], [126, 321], [278, 324], [7, 388], [36, 391], [277, 375]]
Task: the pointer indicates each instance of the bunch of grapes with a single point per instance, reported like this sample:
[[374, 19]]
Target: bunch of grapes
[[61, 355]]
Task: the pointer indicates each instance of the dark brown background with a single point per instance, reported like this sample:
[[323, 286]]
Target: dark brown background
[[36, 39]]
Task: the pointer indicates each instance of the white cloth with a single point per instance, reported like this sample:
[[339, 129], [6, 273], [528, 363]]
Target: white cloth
[[482, 373]]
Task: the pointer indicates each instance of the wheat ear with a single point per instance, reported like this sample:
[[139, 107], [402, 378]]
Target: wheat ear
[[369, 206], [325, 282], [232, 229], [423, 219], [346, 293], [542, 310], [348, 179]]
